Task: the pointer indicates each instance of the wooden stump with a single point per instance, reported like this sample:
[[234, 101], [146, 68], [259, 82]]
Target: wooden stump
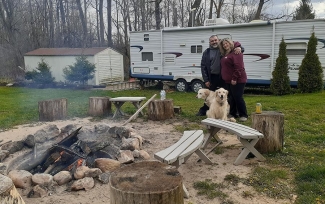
[[99, 106], [8, 191], [161, 109], [271, 125], [146, 182], [51, 110]]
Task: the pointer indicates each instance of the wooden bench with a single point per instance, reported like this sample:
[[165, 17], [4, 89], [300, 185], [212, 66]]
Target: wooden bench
[[246, 135], [180, 152], [119, 101]]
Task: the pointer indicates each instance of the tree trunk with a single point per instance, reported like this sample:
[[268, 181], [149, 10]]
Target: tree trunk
[[109, 23], [8, 191], [51, 110], [271, 125], [161, 109], [83, 23], [99, 106], [101, 23], [210, 10], [157, 14], [141, 182], [259, 10]]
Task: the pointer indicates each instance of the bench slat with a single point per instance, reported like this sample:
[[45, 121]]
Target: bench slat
[[235, 128], [127, 99], [188, 143]]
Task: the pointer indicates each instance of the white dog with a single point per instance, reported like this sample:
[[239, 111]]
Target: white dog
[[207, 95], [219, 105]]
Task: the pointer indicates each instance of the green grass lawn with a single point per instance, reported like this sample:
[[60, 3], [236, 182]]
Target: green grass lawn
[[301, 165]]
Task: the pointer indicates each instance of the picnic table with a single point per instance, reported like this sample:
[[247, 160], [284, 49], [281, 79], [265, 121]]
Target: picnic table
[[119, 101]]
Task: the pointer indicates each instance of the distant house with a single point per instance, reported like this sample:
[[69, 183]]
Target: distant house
[[109, 63]]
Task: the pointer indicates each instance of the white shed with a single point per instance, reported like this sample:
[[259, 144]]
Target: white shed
[[109, 63]]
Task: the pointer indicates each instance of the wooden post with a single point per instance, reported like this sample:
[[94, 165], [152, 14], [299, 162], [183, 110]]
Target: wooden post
[[99, 106], [146, 182], [8, 191], [271, 125], [51, 110], [161, 109]]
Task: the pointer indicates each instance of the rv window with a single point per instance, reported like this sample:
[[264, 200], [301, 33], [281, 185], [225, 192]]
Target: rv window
[[296, 51], [199, 49], [196, 49], [193, 49], [146, 37], [147, 56], [297, 48]]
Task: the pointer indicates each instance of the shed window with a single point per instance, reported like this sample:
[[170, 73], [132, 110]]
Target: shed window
[[146, 37], [147, 56], [296, 48], [196, 49]]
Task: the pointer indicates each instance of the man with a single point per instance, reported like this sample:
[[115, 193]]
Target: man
[[211, 68]]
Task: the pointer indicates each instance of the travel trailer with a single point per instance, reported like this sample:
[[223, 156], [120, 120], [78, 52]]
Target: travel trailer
[[174, 54]]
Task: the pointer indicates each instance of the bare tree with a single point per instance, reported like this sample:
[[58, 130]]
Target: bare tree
[[83, 22], [259, 9], [101, 23], [109, 23], [157, 13], [195, 6]]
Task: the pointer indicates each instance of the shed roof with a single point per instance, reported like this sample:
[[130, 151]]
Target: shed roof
[[65, 51]]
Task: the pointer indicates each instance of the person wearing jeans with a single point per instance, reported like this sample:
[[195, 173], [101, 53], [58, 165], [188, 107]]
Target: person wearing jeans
[[211, 68], [235, 77]]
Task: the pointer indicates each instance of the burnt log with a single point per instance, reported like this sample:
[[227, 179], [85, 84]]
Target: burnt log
[[146, 182], [8, 191], [271, 125], [51, 110], [99, 106], [161, 109]]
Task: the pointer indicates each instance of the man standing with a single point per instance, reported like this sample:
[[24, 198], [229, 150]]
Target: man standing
[[211, 68]]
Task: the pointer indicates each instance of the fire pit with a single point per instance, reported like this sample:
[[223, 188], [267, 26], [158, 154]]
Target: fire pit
[[52, 152]]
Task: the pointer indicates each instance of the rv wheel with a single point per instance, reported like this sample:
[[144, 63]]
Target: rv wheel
[[181, 85], [196, 85]]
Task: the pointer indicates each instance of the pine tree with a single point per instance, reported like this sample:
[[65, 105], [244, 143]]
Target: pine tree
[[42, 74], [310, 71], [82, 70], [304, 11], [280, 84]]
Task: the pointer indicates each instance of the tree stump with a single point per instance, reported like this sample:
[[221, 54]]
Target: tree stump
[[99, 106], [161, 109], [146, 182], [51, 110], [8, 191], [271, 125]]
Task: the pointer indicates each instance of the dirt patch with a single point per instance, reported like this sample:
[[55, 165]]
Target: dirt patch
[[160, 136]]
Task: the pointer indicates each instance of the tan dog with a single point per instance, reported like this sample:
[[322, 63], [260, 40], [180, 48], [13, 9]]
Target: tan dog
[[206, 95], [219, 105]]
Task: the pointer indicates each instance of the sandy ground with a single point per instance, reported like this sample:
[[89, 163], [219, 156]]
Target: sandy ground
[[160, 135]]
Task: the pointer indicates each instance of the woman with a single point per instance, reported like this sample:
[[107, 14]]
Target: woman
[[234, 75]]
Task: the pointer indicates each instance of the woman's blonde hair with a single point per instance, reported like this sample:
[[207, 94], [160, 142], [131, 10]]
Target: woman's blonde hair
[[222, 50]]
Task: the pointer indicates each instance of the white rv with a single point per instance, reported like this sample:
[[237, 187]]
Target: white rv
[[174, 54]]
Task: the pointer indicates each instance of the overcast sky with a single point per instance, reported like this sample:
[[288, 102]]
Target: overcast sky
[[279, 6]]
